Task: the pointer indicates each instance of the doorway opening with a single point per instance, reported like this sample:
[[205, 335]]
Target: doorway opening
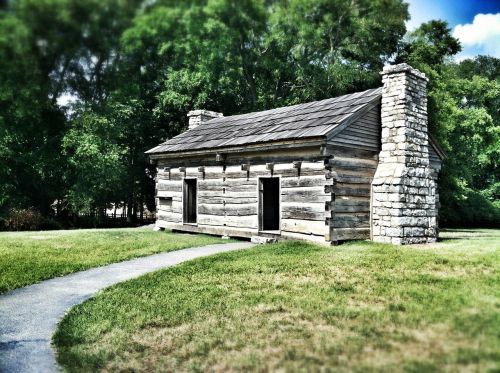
[[269, 204], [189, 197]]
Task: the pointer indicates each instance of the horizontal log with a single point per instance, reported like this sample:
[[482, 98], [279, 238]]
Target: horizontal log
[[291, 172], [228, 210], [308, 181], [312, 195], [304, 237], [351, 206], [169, 193], [313, 211], [351, 151], [231, 194], [228, 182], [229, 221], [316, 227], [169, 210], [350, 221], [175, 199], [209, 229], [354, 162], [278, 155], [172, 218], [171, 187], [343, 234], [228, 200], [227, 187], [343, 190], [340, 167], [354, 179]]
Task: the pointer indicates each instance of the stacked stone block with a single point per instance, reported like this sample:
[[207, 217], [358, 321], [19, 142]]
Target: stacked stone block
[[404, 197], [197, 117]]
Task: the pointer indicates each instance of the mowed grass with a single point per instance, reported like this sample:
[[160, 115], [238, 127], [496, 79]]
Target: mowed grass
[[29, 257], [294, 306]]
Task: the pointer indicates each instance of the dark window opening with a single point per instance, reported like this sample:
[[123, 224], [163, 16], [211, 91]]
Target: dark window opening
[[190, 209], [269, 204], [165, 201]]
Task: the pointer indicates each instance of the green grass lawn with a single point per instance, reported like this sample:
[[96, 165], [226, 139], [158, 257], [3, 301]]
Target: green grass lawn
[[298, 307], [29, 257]]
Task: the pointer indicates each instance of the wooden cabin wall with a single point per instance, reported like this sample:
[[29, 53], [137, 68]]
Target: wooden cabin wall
[[228, 197], [355, 157], [354, 170], [434, 159], [363, 134]]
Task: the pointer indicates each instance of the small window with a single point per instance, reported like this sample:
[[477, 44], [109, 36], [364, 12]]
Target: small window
[[165, 203]]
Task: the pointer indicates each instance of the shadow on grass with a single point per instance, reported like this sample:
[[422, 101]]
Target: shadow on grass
[[466, 234]]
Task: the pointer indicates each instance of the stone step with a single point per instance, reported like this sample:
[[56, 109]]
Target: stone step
[[260, 240]]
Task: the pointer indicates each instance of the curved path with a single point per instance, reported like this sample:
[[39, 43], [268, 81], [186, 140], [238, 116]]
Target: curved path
[[29, 315]]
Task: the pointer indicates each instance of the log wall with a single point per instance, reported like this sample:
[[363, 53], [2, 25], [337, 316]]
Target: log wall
[[354, 171], [325, 198], [355, 158], [228, 196]]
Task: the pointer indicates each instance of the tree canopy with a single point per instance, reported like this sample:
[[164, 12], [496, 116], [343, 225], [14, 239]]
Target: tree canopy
[[135, 68]]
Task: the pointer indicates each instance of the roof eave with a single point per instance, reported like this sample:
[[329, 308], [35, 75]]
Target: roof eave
[[290, 143], [439, 150]]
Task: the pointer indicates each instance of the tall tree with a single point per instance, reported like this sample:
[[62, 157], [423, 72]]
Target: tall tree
[[464, 116], [50, 48]]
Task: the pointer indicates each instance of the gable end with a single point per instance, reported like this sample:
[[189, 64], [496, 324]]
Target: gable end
[[362, 133]]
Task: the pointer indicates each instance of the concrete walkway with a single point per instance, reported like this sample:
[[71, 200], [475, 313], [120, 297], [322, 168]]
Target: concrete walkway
[[29, 316]]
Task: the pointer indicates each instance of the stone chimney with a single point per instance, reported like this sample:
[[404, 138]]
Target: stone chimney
[[197, 117], [404, 196]]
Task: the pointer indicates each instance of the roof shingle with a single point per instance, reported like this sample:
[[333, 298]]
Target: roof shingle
[[301, 121]]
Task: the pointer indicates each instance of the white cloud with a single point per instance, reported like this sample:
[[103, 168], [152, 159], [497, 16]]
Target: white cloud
[[482, 36]]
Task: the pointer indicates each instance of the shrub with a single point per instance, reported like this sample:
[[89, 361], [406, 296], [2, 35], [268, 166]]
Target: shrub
[[471, 211], [23, 219]]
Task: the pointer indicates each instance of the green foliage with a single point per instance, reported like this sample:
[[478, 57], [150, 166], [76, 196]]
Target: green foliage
[[136, 68], [294, 306], [96, 162], [430, 44], [23, 220], [464, 115], [465, 206]]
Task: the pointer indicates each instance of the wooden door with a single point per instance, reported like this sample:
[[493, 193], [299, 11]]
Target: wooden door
[[269, 204], [190, 209]]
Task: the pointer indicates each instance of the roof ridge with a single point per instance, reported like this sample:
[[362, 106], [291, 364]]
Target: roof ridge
[[225, 118]]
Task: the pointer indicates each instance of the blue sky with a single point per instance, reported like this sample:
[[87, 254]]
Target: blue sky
[[476, 23]]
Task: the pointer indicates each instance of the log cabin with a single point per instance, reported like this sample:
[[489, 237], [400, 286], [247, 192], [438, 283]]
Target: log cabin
[[358, 166]]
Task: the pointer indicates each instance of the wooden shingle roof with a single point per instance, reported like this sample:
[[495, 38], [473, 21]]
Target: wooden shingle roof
[[313, 119]]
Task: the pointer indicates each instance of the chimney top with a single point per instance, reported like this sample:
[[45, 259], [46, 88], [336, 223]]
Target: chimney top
[[197, 117], [403, 68]]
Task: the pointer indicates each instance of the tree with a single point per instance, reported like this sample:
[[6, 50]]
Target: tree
[[325, 48], [48, 48], [29, 124], [464, 116], [96, 162]]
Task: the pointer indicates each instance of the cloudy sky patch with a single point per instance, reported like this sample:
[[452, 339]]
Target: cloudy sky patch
[[476, 23], [482, 36]]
